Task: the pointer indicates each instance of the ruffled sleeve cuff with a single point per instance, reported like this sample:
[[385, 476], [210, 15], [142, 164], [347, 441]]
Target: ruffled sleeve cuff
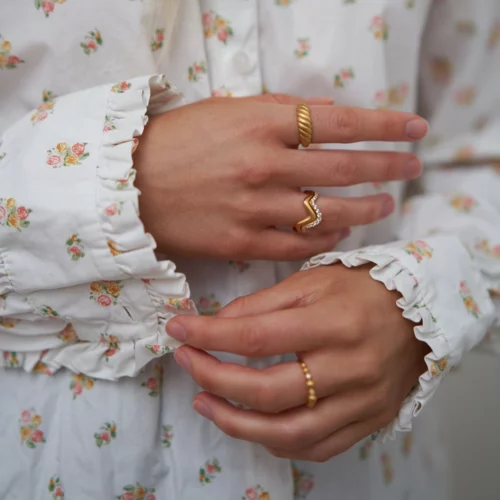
[[441, 292], [104, 298]]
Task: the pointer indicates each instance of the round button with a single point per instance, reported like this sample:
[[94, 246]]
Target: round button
[[242, 62]]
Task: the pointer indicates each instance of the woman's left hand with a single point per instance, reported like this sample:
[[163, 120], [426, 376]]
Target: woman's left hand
[[346, 327]]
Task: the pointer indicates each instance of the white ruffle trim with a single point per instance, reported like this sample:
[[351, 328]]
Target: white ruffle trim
[[125, 348], [389, 271]]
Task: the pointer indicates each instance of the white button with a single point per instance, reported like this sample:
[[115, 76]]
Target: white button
[[242, 62]]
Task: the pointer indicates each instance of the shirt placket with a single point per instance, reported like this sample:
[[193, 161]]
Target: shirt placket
[[232, 46]]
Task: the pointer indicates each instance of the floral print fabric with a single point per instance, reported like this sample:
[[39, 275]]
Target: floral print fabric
[[82, 281]]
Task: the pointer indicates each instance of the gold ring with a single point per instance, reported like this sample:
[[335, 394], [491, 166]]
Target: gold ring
[[312, 399], [314, 215], [305, 124]]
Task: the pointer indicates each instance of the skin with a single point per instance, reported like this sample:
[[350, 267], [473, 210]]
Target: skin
[[241, 177], [224, 196], [362, 353]]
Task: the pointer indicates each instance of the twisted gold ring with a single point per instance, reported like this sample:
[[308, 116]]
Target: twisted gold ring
[[312, 399], [305, 124], [314, 215]]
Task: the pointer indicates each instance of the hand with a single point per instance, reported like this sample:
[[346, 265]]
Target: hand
[[361, 352], [218, 176]]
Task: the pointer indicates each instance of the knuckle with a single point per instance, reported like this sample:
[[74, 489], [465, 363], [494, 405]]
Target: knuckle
[[230, 426], [337, 214], [253, 171], [237, 241], [346, 121], [371, 370], [264, 397], [291, 435], [370, 211], [298, 249], [252, 339], [346, 170]]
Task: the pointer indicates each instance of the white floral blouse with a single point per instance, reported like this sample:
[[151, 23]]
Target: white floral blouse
[[98, 409]]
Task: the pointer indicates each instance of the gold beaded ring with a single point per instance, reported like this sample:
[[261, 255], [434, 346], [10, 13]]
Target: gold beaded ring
[[312, 398], [304, 122]]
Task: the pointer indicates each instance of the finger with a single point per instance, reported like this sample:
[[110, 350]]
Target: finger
[[344, 168], [273, 389], [275, 244], [345, 124], [337, 213], [279, 332], [289, 99], [290, 430], [335, 444]]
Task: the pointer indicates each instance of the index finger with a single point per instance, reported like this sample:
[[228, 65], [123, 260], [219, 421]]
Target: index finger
[[347, 124], [280, 332]]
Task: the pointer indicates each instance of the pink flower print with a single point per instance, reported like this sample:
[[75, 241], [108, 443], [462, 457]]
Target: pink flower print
[[26, 416], [22, 213], [111, 209], [121, 87], [78, 148], [387, 469], [167, 436], [206, 477], [464, 153], [13, 216], [137, 492], [465, 96], [106, 434], [64, 155], [37, 436], [43, 110], [75, 248], [304, 46], [303, 483], [103, 300], [55, 487], [256, 493], [29, 430], [419, 249], [105, 293], [494, 35], [54, 160], [157, 40], [77, 389], [221, 92], [379, 28], [92, 42], [114, 209], [154, 383], [213, 24], [47, 7], [463, 203], [468, 300], [441, 70], [196, 71]]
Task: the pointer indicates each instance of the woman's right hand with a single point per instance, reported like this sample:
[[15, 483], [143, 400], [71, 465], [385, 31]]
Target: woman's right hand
[[219, 176]]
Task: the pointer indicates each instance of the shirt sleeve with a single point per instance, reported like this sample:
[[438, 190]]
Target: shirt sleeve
[[447, 264], [80, 284]]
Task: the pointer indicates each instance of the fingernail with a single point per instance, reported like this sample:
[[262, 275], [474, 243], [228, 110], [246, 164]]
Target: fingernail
[[412, 169], [176, 330], [182, 359], [387, 207], [203, 409], [345, 233], [417, 129]]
